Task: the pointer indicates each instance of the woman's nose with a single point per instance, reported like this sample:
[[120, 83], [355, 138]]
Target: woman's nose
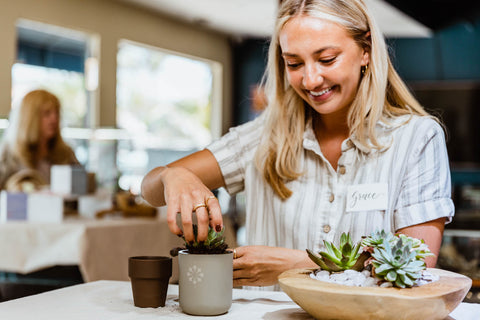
[[312, 77]]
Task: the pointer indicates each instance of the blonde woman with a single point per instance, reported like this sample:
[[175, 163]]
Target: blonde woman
[[343, 146], [33, 142]]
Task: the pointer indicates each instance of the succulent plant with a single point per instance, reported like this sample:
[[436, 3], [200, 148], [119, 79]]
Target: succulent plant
[[214, 244], [346, 256], [418, 245], [394, 258], [378, 238], [397, 263]]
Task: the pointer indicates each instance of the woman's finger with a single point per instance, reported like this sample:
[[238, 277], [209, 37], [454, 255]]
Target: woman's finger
[[202, 223], [187, 223], [242, 282], [173, 209], [241, 274], [215, 213]]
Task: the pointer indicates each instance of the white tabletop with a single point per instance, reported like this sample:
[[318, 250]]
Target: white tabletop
[[113, 300]]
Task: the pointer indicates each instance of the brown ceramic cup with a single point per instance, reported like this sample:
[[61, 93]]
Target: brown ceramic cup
[[149, 276]]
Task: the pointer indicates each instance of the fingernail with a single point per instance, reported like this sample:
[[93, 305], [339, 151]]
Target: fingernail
[[218, 228]]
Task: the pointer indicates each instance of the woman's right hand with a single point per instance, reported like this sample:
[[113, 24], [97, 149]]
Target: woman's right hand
[[184, 186], [185, 194]]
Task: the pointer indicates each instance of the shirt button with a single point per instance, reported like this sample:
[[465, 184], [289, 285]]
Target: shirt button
[[342, 169], [332, 197], [326, 228]]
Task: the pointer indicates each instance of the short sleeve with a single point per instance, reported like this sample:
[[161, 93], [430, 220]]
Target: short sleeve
[[235, 151], [426, 187]]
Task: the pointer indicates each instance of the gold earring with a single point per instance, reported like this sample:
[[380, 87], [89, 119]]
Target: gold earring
[[364, 69]]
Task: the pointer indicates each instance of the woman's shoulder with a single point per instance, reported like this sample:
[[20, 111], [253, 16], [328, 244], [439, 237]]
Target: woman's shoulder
[[425, 124], [416, 130], [241, 141], [63, 154], [7, 154], [248, 133], [416, 123], [253, 125]]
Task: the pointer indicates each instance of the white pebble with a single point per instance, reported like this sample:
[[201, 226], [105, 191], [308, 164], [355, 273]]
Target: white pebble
[[363, 278], [323, 273], [351, 272], [386, 285], [370, 282], [339, 276], [366, 273], [348, 283], [426, 277]]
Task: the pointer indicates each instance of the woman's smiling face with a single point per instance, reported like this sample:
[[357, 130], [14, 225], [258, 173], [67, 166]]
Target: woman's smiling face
[[322, 63]]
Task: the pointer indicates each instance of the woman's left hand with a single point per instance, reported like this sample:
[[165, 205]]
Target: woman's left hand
[[261, 265]]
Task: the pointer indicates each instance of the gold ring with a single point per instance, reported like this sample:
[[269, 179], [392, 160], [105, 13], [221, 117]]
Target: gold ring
[[199, 206], [209, 198], [234, 254]]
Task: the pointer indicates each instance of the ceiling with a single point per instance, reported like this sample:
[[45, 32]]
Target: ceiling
[[255, 18], [437, 14]]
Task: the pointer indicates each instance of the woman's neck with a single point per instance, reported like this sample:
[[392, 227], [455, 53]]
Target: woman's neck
[[331, 131], [42, 150], [331, 125]]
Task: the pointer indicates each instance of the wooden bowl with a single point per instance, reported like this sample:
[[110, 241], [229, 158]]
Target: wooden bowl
[[324, 300]]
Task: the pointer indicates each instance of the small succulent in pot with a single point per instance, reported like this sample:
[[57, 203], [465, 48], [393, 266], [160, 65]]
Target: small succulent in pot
[[205, 275], [346, 256], [214, 244]]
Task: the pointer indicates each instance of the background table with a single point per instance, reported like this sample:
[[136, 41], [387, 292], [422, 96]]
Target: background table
[[113, 300], [99, 247]]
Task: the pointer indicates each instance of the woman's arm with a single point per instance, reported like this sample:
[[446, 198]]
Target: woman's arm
[[261, 265], [182, 185], [424, 202], [431, 232]]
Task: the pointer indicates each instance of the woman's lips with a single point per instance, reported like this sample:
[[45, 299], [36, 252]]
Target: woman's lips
[[321, 94]]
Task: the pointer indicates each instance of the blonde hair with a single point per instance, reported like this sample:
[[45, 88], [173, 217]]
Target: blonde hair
[[381, 93], [23, 135]]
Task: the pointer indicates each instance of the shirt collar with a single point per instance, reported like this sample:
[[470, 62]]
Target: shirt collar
[[383, 127]]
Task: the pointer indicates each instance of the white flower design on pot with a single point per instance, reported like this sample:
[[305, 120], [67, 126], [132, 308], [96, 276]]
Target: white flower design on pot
[[195, 274]]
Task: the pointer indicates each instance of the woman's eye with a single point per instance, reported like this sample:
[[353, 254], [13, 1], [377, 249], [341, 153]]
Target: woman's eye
[[327, 61], [293, 65]]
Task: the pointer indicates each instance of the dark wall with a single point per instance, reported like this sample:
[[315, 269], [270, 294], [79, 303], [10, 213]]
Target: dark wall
[[443, 72], [450, 54], [250, 58]]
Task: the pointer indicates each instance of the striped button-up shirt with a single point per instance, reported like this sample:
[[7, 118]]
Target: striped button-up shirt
[[412, 172]]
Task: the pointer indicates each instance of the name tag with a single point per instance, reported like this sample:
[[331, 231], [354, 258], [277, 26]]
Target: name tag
[[369, 196]]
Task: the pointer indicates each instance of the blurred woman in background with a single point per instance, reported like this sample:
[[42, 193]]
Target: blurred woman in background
[[33, 142]]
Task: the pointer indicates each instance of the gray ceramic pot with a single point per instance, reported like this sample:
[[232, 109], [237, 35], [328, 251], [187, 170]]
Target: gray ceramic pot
[[205, 283]]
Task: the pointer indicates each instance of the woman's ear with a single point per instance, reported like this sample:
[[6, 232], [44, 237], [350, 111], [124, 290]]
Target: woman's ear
[[367, 49], [365, 58]]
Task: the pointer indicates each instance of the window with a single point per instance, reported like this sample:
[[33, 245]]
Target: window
[[168, 103], [54, 59]]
